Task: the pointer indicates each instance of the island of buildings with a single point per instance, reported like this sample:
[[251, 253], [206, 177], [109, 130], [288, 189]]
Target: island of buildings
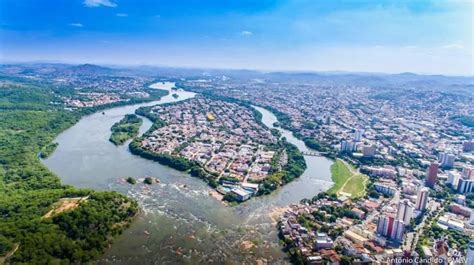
[[221, 142]]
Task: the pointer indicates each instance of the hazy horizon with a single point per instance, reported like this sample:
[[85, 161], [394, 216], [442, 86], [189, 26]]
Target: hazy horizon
[[303, 71], [423, 37]]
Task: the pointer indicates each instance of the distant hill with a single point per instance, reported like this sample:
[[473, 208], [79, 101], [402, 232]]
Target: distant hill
[[87, 69], [56, 69], [407, 79]]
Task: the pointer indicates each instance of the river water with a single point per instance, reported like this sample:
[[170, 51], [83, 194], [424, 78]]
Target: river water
[[181, 223]]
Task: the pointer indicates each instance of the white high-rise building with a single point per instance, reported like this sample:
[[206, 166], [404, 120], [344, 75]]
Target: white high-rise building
[[446, 160], [347, 146], [385, 225], [465, 186], [421, 199], [468, 172], [358, 135], [453, 178], [405, 211], [398, 230]]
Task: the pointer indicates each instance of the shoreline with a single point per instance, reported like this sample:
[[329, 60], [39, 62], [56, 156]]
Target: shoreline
[[216, 195]]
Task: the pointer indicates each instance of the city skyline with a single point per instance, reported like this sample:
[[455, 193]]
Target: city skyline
[[426, 37]]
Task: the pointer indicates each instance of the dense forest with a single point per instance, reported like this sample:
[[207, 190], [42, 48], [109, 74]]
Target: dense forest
[[125, 129], [29, 121]]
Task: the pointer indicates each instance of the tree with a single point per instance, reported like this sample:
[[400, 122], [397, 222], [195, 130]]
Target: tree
[[148, 180], [131, 180]]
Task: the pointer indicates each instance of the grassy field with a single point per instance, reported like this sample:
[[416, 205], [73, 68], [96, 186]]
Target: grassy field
[[339, 174], [347, 180], [356, 185]]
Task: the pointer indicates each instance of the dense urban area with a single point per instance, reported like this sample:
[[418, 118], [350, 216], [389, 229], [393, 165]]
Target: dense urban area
[[414, 142], [221, 142], [402, 147]]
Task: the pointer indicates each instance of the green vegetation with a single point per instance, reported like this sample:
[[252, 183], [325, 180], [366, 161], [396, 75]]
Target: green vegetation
[[131, 180], [345, 181], [231, 198], [48, 150], [313, 144], [340, 173], [28, 124], [470, 200], [146, 112], [5, 245], [125, 129], [149, 180], [284, 121], [179, 163], [455, 238], [197, 171], [293, 169], [356, 185]]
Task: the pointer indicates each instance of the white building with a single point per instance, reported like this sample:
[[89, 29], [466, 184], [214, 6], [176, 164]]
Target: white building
[[347, 146], [405, 211], [323, 241], [446, 160], [453, 178], [465, 186], [421, 199], [468, 172], [385, 188], [358, 135], [398, 230]]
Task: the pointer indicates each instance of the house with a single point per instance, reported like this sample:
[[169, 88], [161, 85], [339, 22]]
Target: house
[[241, 194], [250, 187], [323, 241], [358, 212]]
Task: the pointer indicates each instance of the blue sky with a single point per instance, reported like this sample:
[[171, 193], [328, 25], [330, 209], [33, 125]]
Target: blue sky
[[423, 36]]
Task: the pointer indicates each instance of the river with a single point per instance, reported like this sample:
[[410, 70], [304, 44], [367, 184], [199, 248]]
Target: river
[[181, 222]]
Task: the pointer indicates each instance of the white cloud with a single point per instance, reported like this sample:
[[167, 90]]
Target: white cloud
[[121, 15], [77, 25], [246, 33], [453, 46], [96, 3]]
